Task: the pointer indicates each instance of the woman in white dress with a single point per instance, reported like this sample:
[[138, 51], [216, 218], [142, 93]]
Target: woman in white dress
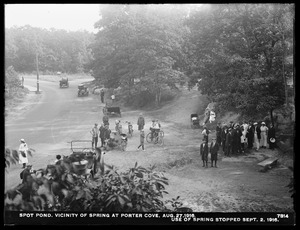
[[23, 153], [264, 135]]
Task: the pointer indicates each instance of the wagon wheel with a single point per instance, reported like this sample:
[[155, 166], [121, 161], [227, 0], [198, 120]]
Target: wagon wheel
[[148, 138]]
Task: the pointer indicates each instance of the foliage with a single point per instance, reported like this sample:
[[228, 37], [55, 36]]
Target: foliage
[[138, 47], [239, 52], [57, 50], [12, 80], [59, 188]]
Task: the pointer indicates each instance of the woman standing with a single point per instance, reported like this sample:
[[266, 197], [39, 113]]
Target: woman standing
[[23, 153], [263, 134], [257, 136]]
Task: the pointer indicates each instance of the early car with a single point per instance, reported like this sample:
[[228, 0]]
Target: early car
[[82, 90], [64, 82]]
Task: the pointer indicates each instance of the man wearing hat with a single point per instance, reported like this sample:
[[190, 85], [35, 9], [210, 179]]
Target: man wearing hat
[[250, 135], [218, 133], [264, 135], [23, 151], [95, 133], [228, 143], [26, 173], [214, 148], [141, 122], [204, 152], [223, 136]]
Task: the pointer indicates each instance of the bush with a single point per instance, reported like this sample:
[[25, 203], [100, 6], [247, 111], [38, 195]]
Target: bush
[[58, 188]]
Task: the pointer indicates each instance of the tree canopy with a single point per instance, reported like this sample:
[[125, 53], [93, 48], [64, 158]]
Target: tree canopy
[[57, 50]]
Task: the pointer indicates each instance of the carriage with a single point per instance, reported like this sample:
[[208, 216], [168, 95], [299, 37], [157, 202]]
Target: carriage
[[195, 122]]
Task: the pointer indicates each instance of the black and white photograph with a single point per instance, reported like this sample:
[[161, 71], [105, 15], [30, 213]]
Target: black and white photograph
[[149, 114]]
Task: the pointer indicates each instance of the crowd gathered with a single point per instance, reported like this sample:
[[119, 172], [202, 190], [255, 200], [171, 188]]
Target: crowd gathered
[[235, 138], [108, 136], [231, 139]]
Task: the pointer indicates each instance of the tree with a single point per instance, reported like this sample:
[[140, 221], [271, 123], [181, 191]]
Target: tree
[[238, 55], [138, 47]]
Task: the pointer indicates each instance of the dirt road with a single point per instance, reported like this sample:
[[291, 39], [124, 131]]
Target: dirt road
[[235, 186]]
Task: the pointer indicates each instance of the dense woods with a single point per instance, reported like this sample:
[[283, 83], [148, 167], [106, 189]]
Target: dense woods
[[234, 53]]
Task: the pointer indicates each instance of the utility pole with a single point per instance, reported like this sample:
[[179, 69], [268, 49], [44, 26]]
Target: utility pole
[[37, 65], [37, 73]]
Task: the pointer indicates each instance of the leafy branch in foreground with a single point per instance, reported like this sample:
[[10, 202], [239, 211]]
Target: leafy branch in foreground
[[59, 188]]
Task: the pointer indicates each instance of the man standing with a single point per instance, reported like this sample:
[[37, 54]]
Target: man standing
[[228, 143], [141, 122], [142, 140], [218, 133], [26, 173], [102, 95], [95, 133], [235, 139], [102, 134], [214, 148], [204, 152], [205, 133], [223, 137], [23, 151], [105, 119], [250, 135]]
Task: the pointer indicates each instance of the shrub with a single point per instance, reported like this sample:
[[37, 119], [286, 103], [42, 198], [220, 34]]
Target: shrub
[[58, 188]]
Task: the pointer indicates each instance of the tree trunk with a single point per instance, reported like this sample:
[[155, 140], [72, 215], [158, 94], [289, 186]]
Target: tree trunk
[[283, 70]]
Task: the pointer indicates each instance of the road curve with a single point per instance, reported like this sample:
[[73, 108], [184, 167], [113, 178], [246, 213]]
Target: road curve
[[59, 117]]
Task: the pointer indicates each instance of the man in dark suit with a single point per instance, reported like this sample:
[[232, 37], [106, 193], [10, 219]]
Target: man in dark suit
[[214, 148], [204, 152], [218, 133], [228, 143], [250, 135], [223, 137]]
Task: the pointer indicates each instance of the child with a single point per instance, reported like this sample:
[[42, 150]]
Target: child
[[142, 138]]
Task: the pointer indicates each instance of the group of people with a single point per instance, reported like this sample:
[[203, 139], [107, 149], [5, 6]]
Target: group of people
[[104, 132], [236, 138]]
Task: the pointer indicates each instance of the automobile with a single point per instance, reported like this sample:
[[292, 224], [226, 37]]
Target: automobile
[[82, 90], [64, 82]]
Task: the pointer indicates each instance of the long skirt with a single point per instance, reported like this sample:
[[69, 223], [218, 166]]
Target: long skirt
[[23, 160]]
